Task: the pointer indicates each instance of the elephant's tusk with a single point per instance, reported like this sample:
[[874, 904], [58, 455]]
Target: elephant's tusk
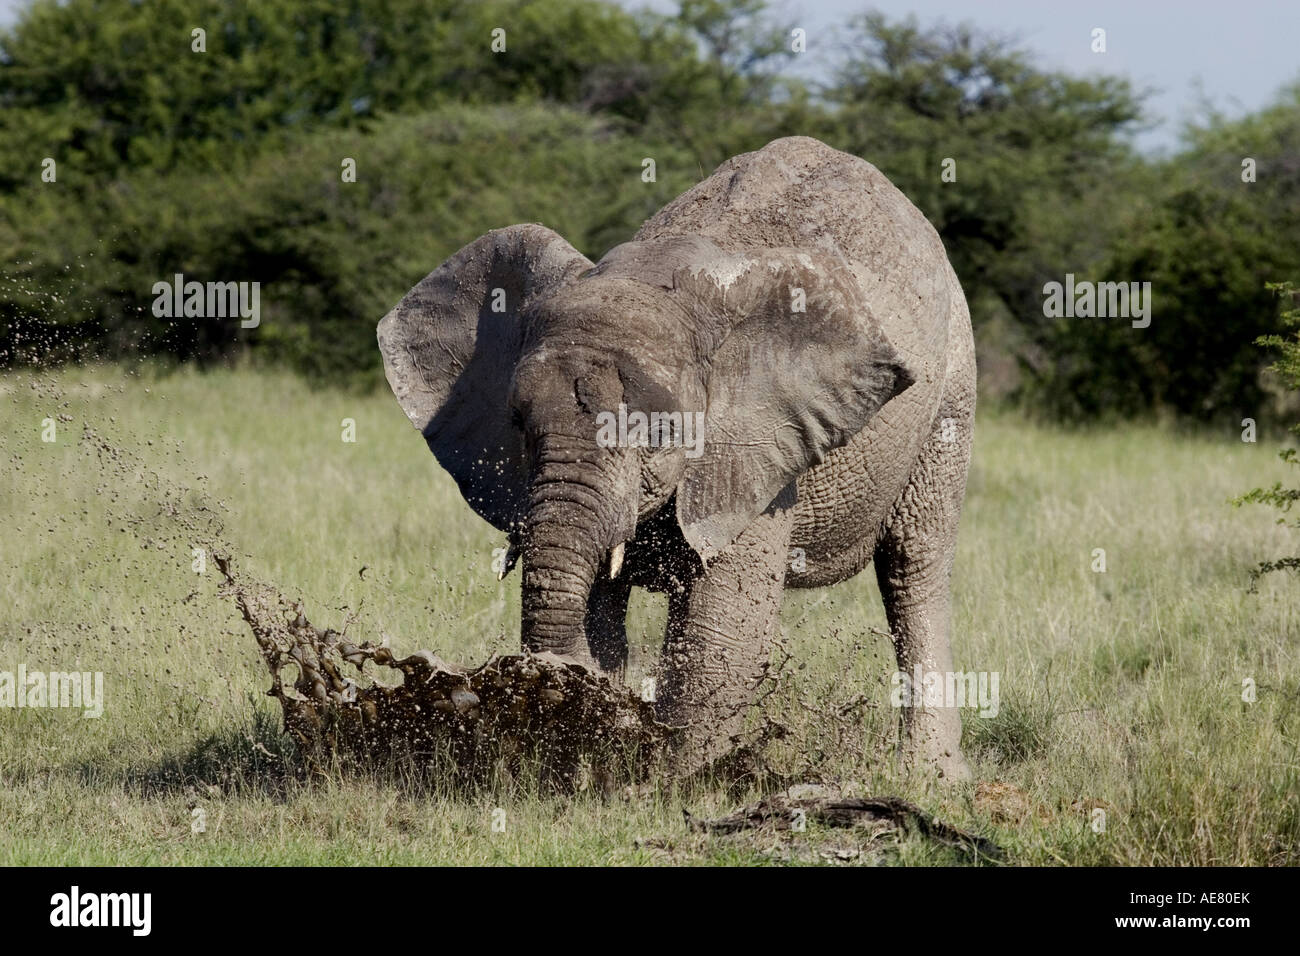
[[615, 561], [512, 556]]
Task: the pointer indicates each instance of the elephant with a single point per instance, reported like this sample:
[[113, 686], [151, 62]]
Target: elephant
[[801, 310]]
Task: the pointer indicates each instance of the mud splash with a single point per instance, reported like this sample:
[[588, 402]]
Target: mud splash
[[350, 703], [514, 714]]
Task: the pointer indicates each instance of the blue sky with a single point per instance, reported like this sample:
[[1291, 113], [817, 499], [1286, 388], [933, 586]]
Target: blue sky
[[1236, 55]]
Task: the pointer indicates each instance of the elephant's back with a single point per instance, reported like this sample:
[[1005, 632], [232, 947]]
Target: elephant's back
[[799, 192]]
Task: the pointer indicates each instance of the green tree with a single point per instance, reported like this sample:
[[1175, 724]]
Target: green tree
[[1208, 230], [331, 257], [909, 99], [225, 165], [1287, 367], [106, 84]]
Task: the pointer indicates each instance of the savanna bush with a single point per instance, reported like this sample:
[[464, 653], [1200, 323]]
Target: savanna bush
[[331, 256], [1287, 368]]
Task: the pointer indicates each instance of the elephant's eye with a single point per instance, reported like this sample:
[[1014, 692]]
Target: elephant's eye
[[516, 417]]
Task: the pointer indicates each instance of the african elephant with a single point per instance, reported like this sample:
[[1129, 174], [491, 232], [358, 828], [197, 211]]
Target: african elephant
[[803, 311]]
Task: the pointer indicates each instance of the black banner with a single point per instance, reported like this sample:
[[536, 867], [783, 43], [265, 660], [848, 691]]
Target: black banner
[[174, 904]]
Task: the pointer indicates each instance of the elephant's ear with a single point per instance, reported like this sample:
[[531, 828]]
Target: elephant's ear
[[450, 348], [803, 368]]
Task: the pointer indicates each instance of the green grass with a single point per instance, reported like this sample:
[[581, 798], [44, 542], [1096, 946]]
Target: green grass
[[1122, 687]]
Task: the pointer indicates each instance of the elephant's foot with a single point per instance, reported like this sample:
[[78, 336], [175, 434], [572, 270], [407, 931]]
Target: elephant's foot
[[948, 767], [717, 642], [931, 745], [707, 754], [707, 704]]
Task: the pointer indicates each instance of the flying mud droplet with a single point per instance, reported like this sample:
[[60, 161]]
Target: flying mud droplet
[[355, 704]]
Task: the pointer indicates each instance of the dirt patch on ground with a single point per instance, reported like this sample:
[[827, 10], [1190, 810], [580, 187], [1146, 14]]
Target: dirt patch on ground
[[819, 823]]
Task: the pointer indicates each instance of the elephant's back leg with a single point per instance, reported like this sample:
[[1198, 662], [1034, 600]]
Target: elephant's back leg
[[914, 559]]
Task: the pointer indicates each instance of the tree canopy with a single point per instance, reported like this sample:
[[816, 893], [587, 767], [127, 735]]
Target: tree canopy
[[208, 137]]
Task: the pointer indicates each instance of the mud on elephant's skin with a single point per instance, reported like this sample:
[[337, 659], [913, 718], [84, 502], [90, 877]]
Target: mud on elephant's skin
[[807, 309]]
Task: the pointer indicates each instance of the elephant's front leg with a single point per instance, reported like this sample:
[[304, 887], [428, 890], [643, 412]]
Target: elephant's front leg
[[720, 630]]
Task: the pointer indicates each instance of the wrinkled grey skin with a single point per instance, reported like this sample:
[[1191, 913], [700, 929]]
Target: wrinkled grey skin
[[843, 430]]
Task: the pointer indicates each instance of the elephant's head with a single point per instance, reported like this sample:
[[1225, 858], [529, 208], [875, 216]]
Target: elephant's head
[[519, 361]]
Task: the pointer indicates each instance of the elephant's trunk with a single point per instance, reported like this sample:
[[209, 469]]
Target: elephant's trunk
[[575, 517], [558, 576]]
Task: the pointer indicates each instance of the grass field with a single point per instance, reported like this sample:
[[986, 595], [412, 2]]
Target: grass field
[[1120, 690]]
